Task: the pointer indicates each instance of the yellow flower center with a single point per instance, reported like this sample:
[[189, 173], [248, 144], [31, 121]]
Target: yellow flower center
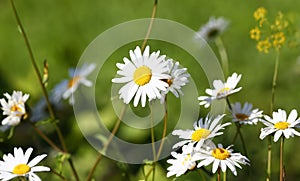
[[21, 169], [186, 159], [73, 81], [142, 75], [220, 153], [199, 134], [281, 125], [223, 91], [241, 116], [15, 108]]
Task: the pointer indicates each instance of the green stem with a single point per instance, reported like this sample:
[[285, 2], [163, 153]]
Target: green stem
[[113, 133], [269, 159], [164, 131], [281, 159], [219, 174], [223, 55], [274, 81], [58, 174], [271, 112], [224, 176], [35, 67], [152, 141], [243, 141], [45, 137], [150, 25]]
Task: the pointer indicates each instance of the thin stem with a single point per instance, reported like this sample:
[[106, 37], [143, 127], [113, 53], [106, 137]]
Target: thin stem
[[281, 158], [274, 81], [58, 174], [271, 111], [113, 133], [164, 131], [150, 25], [45, 137], [219, 174], [224, 176], [228, 103], [223, 55], [269, 159], [23, 33], [152, 140], [33, 61], [243, 141]]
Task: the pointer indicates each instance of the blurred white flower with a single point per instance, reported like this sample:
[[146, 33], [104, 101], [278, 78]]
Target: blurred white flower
[[18, 165], [182, 162], [245, 114], [143, 75], [14, 107], [204, 129], [213, 28], [221, 90], [219, 157], [280, 124], [78, 76], [178, 78]]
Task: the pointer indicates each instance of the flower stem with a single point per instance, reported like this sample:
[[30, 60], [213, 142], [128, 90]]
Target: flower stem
[[45, 137], [35, 67], [164, 131], [224, 176], [271, 111], [59, 175], [152, 141], [223, 55], [113, 133], [219, 174], [281, 159], [274, 81], [269, 159], [150, 25]]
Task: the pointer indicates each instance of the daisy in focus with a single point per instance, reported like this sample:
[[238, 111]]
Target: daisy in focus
[[245, 114], [178, 78], [182, 162], [221, 90], [143, 76], [78, 76], [280, 124], [220, 158], [204, 129], [18, 165], [14, 107], [213, 28]]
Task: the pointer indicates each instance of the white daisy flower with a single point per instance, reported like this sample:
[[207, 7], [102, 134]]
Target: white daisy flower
[[213, 28], [220, 157], [221, 90], [18, 165], [182, 162], [143, 75], [178, 78], [14, 107], [245, 114], [204, 129], [78, 76], [280, 124]]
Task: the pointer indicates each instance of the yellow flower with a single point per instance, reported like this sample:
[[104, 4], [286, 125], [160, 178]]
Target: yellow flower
[[263, 46], [278, 39], [255, 33], [260, 13]]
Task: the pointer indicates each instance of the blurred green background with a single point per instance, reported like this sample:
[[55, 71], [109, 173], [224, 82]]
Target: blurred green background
[[60, 30]]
